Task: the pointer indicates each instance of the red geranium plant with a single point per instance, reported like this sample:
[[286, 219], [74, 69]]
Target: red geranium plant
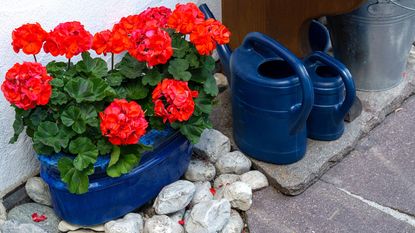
[[91, 108]]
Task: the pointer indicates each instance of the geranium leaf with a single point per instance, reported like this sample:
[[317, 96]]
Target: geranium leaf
[[90, 115], [56, 68], [85, 150], [210, 86], [180, 46], [95, 67], [115, 79], [38, 115], [58, 97], [203, 104], [43, 149], [152, 78], [72, 117], [49, 134], [104, 147], [18, 128], [89, 90], [193, 60], [125, 163], [115, 156], [200, 75], [208, 63], [136, 90], [56, 82], [77, 181], [178, 68], [130, 67], [194, 128]]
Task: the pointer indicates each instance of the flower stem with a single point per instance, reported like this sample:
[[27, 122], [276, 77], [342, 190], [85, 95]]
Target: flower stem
[[34, 56], [69, 63], [112, 61]]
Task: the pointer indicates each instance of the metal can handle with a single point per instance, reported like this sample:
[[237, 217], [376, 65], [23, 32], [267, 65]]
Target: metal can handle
[[403, 6], [254, 38]]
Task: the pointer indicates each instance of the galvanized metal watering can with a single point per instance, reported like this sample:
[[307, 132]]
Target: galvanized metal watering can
[[334, 93]]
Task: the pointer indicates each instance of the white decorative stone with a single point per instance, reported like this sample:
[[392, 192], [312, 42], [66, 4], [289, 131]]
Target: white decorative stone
[[200, 170], [215, 55], [3, 213], [65, 226], [177, 216], [38, 191], [208, 216], [225, 179], [162, 224], [235, 223], [174, 197], [233, 162], [221, 80], [131, 223], [212, 145], [12, 226], [202, 193], [255, 179], [83, 231], [239, 195]]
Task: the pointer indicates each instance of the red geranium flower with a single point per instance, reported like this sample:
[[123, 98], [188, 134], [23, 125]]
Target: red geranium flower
[[69, 39], [38, 218], [27, 85], [123, 122], [151, 45], [28, 37], [128, 24], [205, 36], [185, 17], [155, 16], [173, 100], [115, 41]]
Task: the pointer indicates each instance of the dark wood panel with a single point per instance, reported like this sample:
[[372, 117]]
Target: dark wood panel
[[285, 20]]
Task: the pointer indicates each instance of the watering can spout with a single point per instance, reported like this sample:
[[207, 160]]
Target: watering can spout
[[224, 51]]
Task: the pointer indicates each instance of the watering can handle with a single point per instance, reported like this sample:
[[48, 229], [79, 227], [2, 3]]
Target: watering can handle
[[298, 67], [346, 78]]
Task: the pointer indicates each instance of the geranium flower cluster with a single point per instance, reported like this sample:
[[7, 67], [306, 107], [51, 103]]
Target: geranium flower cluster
[[204, 34], [29, 37], [123, 122], [173, 100], [27, 85]]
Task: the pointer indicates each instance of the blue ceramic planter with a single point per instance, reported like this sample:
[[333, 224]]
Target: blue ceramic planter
[[109, 198]]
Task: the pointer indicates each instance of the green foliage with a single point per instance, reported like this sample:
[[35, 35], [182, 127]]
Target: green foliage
[[70, 122]]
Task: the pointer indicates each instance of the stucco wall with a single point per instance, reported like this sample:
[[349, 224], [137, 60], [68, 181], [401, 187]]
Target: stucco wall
[[17, 161]]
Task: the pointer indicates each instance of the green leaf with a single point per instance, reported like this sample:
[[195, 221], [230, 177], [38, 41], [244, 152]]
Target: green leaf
[[208, 63], [43, 149], [77, 181], [180, 46], [18, 128], [92, 67], [86, 152], [72, 117], [115, 156], [114, 79], [130, 67], [88, 90], [157, 123], [38, 115], [90, 115], [125, 164], [200, 75], [49, 134], [57, 82], [56, 68], [178, 68], [203, 104], [136, 90], [152, 78], [58, 97], [193, 60], [194, 128], [104, 147], [210, 86], [121, 92], [129, 158]]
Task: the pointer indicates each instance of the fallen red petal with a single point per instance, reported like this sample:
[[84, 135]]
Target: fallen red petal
[[181, 222], [37, 218], [213, 191]]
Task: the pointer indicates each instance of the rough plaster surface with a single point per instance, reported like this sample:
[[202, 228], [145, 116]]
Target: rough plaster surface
[[17, 161]]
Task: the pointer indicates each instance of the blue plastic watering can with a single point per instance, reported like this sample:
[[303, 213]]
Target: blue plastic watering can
[[334, 93], [271, 101]]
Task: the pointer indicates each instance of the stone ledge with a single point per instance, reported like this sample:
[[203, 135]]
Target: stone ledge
[[295, 178]]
